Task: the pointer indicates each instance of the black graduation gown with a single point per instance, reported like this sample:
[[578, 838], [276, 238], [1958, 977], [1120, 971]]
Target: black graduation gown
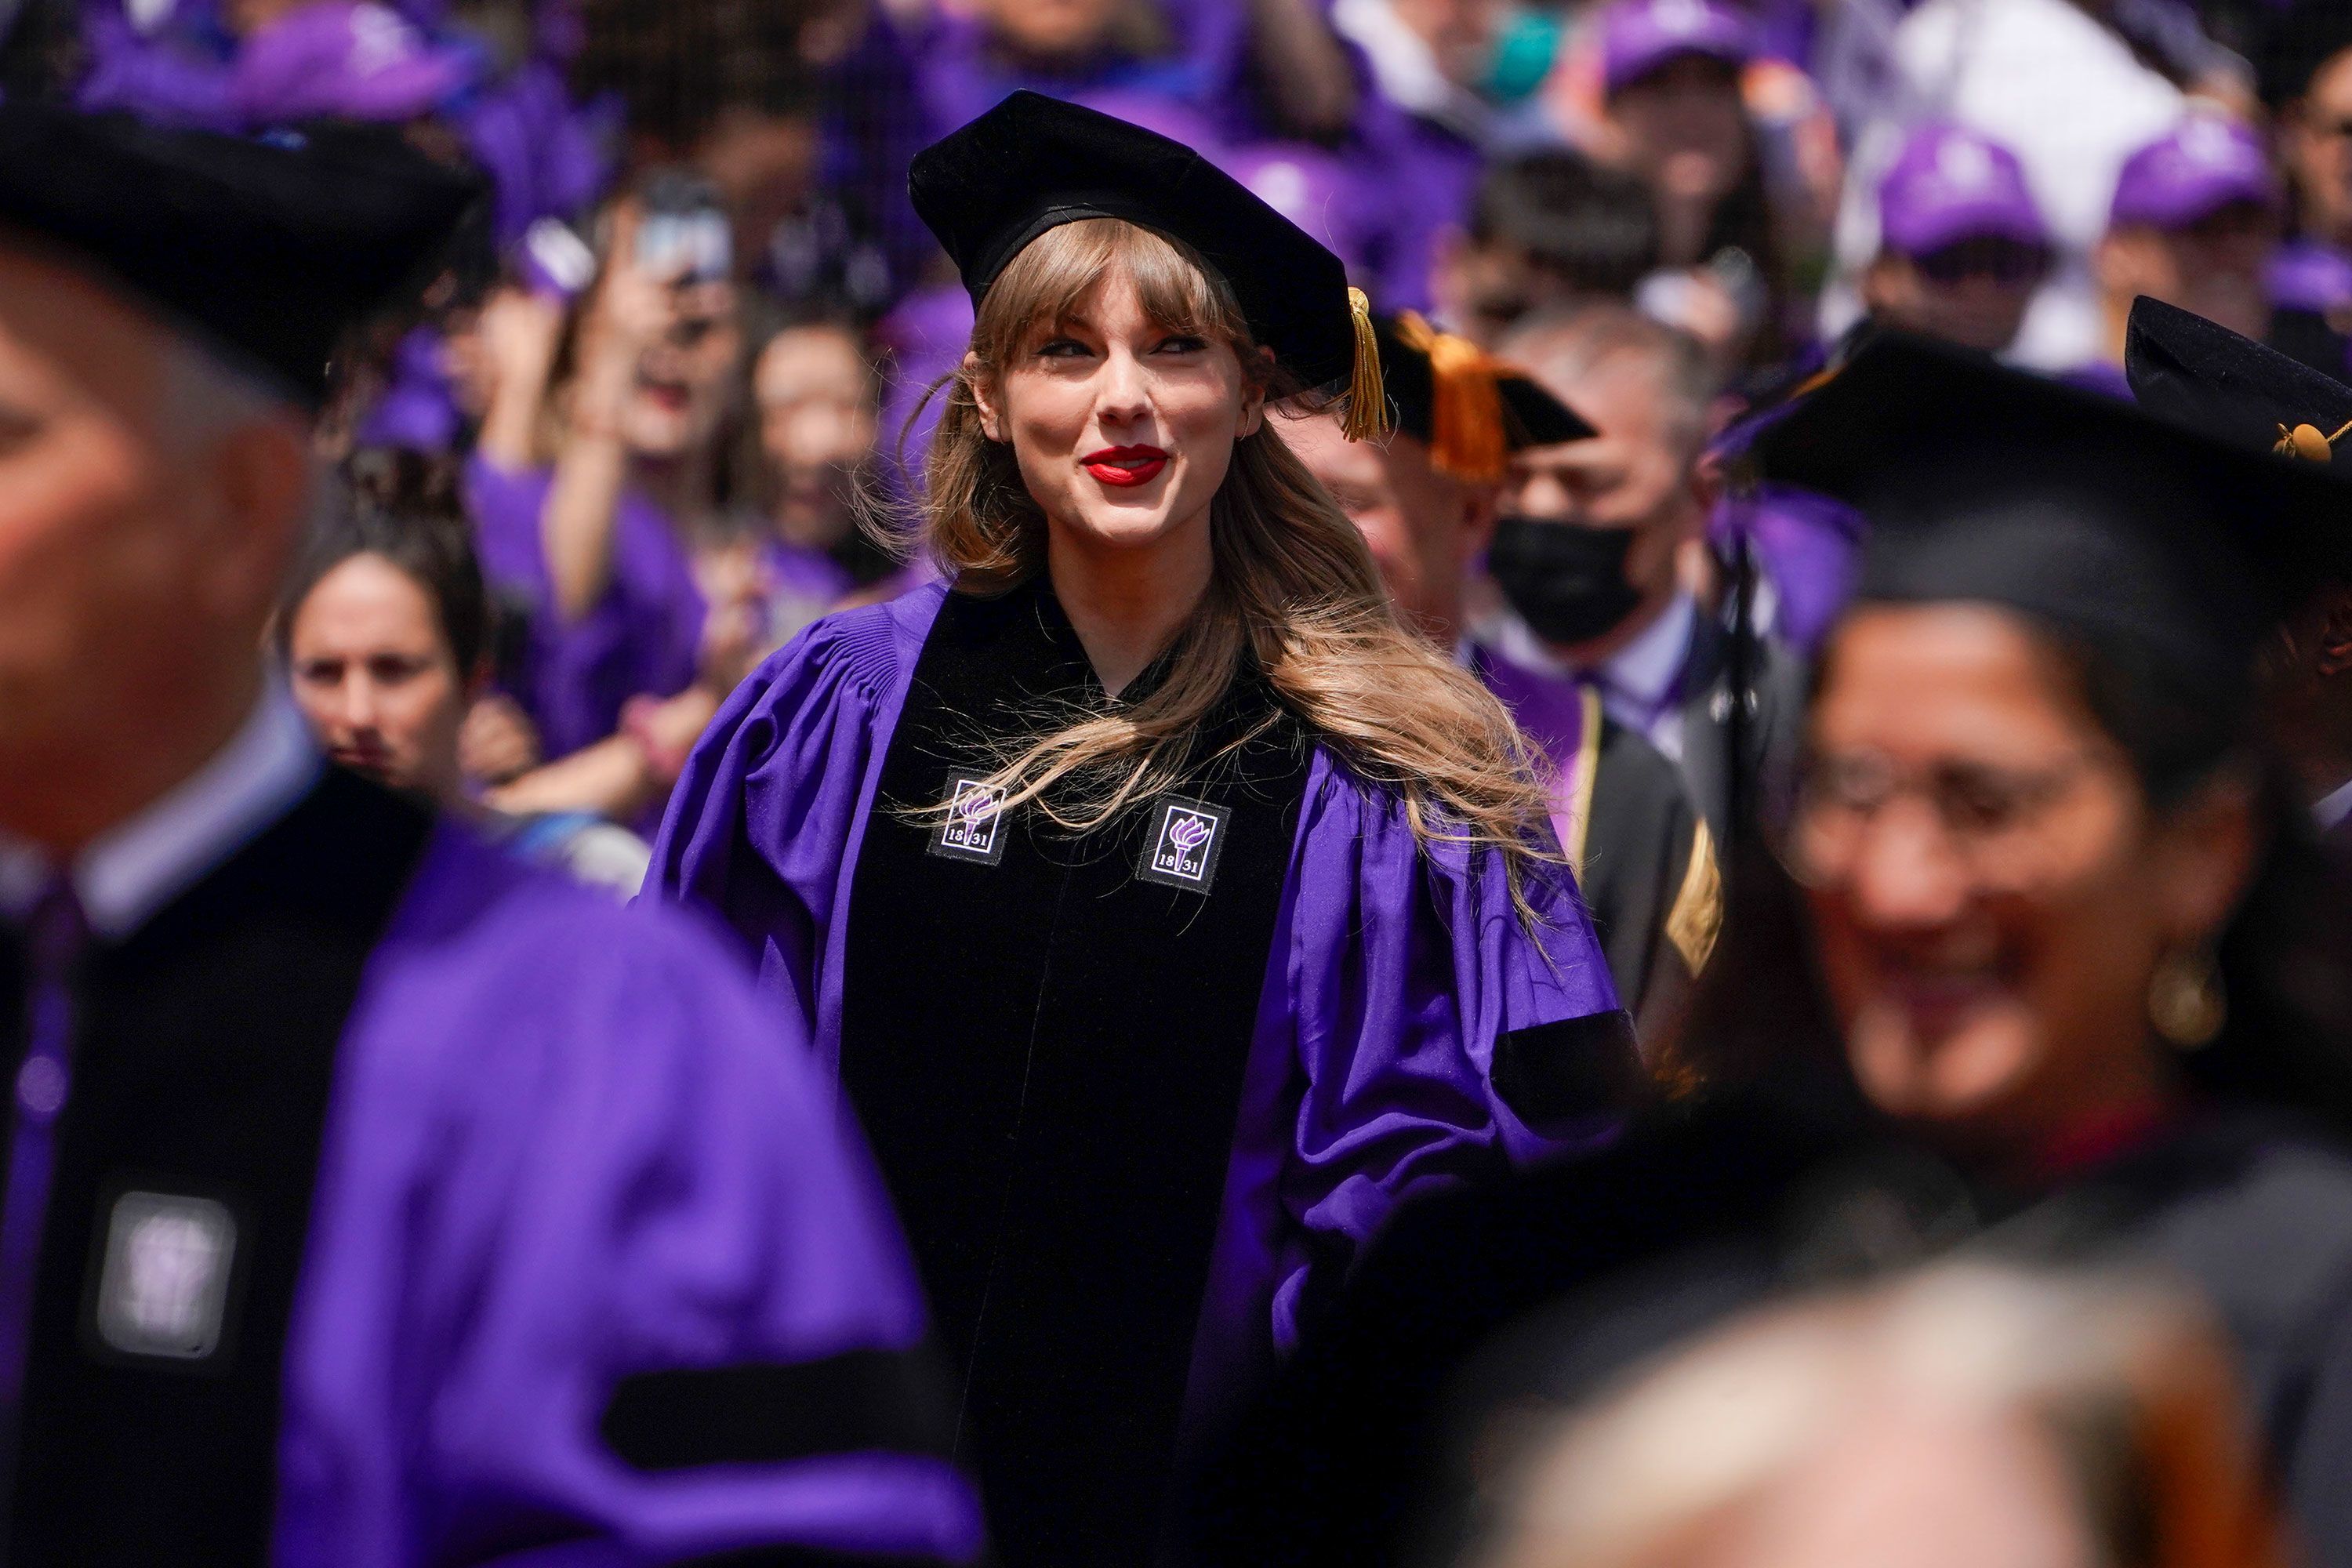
[[1373, 1448], [1044, 1038]]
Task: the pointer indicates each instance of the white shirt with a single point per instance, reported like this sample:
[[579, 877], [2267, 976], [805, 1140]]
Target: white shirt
[[2334, 807], [1636, 682], [135, 867]]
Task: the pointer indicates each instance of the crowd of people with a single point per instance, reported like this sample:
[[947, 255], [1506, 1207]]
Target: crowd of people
[[1198, 781]]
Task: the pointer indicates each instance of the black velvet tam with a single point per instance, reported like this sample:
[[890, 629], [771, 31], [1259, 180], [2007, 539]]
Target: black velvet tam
[[268, 251], [1034, 162], [1988, 484], [1426, 371], [2195, 373]]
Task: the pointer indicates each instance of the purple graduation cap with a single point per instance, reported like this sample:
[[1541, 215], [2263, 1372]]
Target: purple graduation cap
[[1949, 185], [1640, 37], [2205, 163]]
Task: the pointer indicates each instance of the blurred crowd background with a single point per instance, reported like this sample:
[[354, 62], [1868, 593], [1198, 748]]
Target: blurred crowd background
[[692, 342]]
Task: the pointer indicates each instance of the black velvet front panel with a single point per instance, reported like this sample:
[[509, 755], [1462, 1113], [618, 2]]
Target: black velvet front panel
[[203, 1059], [1044, 1037]]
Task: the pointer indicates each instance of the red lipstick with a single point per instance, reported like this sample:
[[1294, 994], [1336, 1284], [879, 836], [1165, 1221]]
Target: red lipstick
[[1124, 467]]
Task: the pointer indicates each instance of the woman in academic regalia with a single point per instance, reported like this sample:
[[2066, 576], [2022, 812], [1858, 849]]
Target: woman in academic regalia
[[2046, 964], [1170, 912]]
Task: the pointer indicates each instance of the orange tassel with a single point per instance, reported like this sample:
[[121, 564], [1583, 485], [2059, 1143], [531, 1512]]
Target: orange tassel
[[1468, 441]]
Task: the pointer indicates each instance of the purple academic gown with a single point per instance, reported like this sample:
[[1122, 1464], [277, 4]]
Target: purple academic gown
[[643, 636], [572, 1204], [1394, 973], [525, 1067]]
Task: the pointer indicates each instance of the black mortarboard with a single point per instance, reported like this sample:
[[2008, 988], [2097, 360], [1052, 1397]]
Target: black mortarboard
[[2199, 373], [1985, 483], [268, 251], [1034, 162], [1470, 411]]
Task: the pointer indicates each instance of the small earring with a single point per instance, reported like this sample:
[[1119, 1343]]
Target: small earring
[[2184, 999]]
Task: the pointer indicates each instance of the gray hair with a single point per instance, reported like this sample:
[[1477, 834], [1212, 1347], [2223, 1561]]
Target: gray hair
[[1567, 343]]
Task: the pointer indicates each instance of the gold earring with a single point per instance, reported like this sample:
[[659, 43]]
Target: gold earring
[[2184, 999]]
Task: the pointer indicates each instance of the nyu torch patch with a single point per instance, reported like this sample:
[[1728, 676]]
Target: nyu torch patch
[[163, 1288], [1184, 840], [974, 826]]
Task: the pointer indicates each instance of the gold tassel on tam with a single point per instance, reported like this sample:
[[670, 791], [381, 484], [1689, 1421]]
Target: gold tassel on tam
[[2304, 441], [1368, 396], [1468, 440]]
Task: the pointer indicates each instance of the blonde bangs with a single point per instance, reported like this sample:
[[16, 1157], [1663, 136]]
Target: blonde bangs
[[1053, 277]]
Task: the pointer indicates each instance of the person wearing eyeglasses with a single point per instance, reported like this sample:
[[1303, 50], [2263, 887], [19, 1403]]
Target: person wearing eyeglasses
[[2044, 963], [1962, 244]]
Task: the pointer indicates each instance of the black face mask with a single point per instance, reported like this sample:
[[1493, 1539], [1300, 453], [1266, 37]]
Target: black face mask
[[1565, 581]]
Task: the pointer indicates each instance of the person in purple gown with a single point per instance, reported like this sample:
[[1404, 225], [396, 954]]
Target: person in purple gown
[[596, 456], [1426, 502], [371, 1198], [1169, 913]]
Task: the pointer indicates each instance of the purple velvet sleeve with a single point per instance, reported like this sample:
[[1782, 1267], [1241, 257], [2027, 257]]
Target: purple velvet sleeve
[[567, 1149], [763, 826], [1395, 970]]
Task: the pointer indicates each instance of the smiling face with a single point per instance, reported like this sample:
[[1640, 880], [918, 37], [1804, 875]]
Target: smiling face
[[374, 674], [1990, 891], [1121, 406]]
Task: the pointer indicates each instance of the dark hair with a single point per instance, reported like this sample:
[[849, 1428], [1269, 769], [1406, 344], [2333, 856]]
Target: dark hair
[[1763, 1014], [1594, 226], [404, 505]]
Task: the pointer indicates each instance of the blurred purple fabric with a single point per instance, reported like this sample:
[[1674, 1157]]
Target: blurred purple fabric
[[568, 1145], [642, 638]]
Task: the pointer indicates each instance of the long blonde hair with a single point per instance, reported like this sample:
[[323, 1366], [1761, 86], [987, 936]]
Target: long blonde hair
[[1293, 585]]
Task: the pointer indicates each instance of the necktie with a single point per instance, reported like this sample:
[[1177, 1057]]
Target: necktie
[[57, 934]]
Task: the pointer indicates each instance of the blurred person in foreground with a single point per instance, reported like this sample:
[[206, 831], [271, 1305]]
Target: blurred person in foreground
[[1424, 502], [2046, 964], [2194, 224], [1598, 572], [373, 1198], [1963, 1416], [385, 630], [1546, 229]]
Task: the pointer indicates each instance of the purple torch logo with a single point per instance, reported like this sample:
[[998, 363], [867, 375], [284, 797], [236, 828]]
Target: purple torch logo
[[1187, 834]]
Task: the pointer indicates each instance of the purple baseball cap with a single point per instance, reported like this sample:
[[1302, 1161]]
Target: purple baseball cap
[[1948, 185], [1639, 36], [2206, 163], [346, 60], [1310, 187]]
